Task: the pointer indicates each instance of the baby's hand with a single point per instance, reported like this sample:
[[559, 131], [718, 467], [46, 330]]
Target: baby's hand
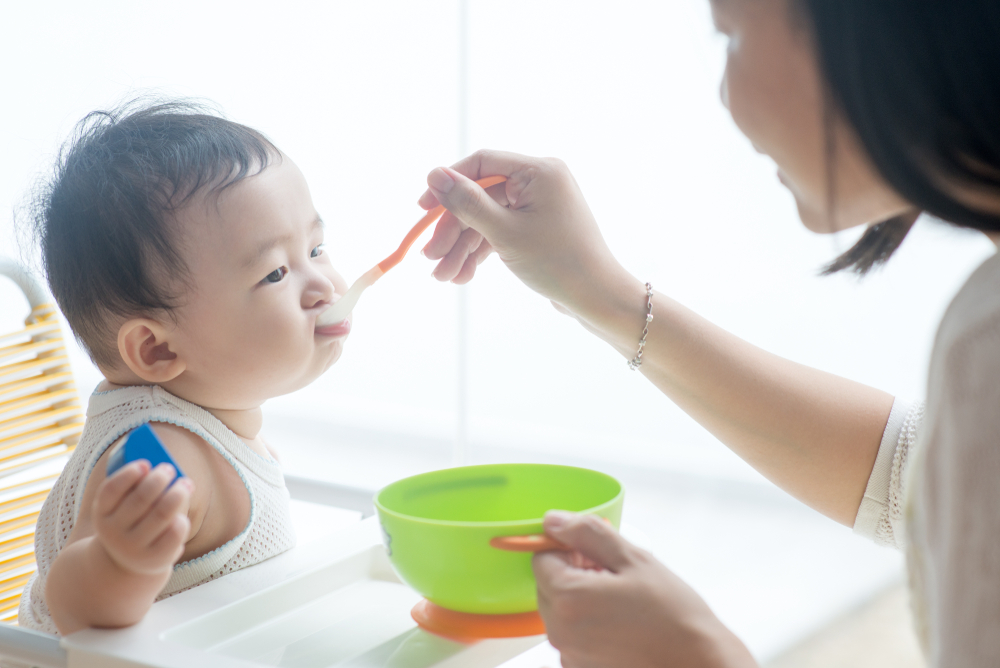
[[142, 524]]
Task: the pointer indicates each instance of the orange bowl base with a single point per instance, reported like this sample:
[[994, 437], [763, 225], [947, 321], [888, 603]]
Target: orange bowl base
[[469, 627]]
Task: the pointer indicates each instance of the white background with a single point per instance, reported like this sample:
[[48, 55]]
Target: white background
[[366, 98]]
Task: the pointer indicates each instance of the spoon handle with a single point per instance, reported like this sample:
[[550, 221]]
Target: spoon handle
[[342, 308], [530, 543], [429, 218], [411, 236]]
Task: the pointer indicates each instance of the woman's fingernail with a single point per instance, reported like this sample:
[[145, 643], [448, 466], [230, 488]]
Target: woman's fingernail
[[440, 180], [557, 519]]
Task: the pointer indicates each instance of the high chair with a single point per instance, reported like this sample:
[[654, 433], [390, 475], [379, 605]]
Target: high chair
[[333, 600], [41, 419]]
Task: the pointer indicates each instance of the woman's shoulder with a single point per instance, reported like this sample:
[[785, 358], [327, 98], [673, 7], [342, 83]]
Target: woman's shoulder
[[964, 374], [972, 321]]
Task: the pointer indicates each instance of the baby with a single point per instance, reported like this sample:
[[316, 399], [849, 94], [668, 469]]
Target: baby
[[187, 256]]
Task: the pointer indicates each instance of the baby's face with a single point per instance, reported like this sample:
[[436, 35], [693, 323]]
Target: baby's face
[[259, 277]]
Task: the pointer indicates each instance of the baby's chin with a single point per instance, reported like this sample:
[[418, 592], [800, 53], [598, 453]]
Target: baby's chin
[[336, 350], [330, 356]]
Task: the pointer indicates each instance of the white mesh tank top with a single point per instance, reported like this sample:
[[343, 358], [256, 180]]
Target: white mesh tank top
[[112, 414]]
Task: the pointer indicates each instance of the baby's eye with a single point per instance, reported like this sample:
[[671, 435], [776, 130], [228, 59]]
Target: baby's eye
[[316, 252], [276, 275]]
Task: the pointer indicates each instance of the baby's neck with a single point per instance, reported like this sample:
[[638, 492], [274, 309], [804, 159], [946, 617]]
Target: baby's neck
[[245, 423]]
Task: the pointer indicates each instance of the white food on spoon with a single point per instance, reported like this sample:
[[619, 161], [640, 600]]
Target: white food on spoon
[[342, 308]]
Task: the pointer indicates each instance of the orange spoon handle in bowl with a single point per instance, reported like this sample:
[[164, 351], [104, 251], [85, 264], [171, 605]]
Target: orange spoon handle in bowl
[[539, 542], [425, 222]]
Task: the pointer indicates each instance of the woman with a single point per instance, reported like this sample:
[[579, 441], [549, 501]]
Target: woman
[[875, 111]]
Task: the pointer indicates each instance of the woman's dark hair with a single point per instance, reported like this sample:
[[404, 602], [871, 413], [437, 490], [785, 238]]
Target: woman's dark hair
[[919, 81], [102, 219]]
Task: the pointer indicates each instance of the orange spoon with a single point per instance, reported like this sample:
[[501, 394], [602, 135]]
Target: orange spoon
[[343, 307]]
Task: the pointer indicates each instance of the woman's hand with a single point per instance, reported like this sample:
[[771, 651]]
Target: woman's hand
[[538, 223], [611, 604], [813, 434]]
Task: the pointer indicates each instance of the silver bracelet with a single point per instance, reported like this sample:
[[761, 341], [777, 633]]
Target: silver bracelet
[[636, 361]]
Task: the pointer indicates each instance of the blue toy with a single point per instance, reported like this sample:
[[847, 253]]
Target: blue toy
[[142, 444]]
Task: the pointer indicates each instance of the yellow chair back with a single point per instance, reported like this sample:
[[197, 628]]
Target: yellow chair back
[[41, 419]]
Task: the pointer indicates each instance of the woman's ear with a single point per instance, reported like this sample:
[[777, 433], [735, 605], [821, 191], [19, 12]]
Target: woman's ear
[[145, 349]]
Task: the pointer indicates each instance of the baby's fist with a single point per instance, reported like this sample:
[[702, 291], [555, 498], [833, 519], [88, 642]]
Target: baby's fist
[[141, 519]]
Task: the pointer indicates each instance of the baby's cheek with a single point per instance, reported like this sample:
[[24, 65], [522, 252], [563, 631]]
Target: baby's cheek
[[255, 343]]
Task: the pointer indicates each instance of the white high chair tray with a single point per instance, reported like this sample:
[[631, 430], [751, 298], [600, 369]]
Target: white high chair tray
[[334, 602]]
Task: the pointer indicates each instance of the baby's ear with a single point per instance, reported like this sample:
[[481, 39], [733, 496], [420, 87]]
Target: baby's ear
[[145, 349]]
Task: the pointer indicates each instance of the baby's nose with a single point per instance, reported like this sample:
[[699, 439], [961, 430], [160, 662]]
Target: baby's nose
[[321, 293]]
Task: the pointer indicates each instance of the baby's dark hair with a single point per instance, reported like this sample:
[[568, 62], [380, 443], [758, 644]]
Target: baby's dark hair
[[102, 219]]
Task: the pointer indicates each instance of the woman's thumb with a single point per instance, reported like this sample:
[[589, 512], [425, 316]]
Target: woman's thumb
[[591, 536], [466, 200]]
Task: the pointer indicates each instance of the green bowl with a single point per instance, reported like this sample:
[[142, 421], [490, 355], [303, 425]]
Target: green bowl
[[437, 528]]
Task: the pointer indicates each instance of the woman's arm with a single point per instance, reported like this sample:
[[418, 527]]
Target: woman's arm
[[814, 434]]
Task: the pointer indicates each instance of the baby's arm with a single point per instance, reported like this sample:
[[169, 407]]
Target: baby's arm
[[111, 577], [131, 531]]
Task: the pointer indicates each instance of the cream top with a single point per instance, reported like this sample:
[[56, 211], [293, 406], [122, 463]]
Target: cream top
[[113, 414], [935, 486]]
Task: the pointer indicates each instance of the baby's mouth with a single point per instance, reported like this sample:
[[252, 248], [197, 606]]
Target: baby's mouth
[[337, 329]]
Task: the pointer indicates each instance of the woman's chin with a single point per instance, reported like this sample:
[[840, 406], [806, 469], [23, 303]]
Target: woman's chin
[[819, 222], [850, 215], [813, 220]]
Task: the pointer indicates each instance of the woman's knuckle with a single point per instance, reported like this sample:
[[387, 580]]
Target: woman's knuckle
[[556, 164], [644, 557], [592, 523], [566, 607], [475, 205], [556, 637], [569, 659]]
